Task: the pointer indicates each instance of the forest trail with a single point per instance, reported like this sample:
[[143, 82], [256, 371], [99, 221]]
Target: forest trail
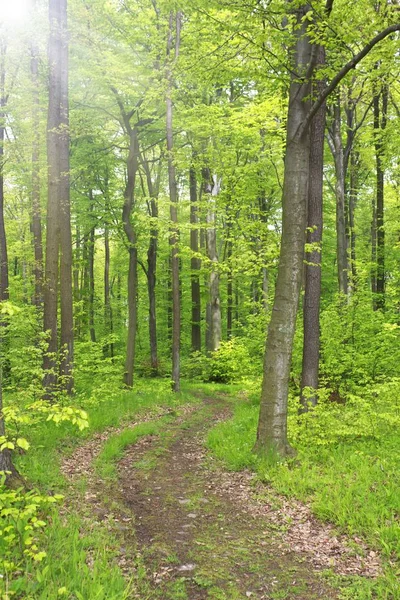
[[186, 529]]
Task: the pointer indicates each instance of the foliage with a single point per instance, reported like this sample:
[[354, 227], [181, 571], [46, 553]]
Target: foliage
[[230, 363], [22, 522], [346, 467]]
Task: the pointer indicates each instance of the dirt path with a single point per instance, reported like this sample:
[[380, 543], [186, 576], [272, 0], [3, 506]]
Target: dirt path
[[189, 530], [197, 539]]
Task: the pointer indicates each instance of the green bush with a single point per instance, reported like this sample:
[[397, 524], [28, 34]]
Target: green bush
[[231, 362]]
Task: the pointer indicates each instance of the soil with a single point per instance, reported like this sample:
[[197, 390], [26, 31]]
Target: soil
[[189, 530]]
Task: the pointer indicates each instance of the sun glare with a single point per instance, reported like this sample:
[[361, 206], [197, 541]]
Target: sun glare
[[14, 12]]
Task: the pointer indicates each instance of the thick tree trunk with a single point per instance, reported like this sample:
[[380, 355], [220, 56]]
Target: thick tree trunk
[[50, 290], [272, 425], [380, 120], [174, 23], [59, 242], [312, 296], [195, 264], [36, 224]]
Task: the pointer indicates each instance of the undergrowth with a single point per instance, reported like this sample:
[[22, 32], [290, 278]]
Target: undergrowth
[[347, 466], [72, 565]]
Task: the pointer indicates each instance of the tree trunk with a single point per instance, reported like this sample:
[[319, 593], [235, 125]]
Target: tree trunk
[[195, 264], [229, 290], [353, 194], [50, 288], [212, 187], [3, 240], [151, 272], [272, 425], [66, 295], [108, 316], [380, 120], [91, 252], [132, 167], [312, 297], [36, 224], [341, 244], [173, 195]]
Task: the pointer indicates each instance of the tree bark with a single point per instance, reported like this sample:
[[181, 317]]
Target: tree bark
[[195, 264], [380, 120], [312, 296], [151, 273], [272, 425], [91, 253], [353, 194], [341, 239], [108, 315], [4, 279], [174, 23], [50, 290], [229, 291], [36, 223], [212, 187], [132, 167], [66, 294]]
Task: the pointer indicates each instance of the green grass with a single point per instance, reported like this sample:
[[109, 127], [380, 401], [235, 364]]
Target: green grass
[[349, 476], [81, 566], [114, 447]]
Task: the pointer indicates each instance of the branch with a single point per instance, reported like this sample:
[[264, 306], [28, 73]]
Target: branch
[[343, 72]]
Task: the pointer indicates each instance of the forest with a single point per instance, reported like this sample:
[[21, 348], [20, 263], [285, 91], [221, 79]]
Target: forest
[[199, 299]]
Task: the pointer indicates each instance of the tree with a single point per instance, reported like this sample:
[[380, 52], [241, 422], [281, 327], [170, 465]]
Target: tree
[[58, 237], [272, 425], [174, 34]]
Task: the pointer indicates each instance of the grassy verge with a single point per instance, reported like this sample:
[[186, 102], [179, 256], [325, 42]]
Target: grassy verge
[[347, 467], [77, 566]]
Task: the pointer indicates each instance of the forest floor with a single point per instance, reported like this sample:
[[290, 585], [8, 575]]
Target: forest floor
[[185, 528]]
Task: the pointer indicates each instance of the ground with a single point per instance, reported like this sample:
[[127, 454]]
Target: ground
[[187, 529]]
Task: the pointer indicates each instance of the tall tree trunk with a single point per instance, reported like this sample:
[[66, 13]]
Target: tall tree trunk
[[36, 224], [174, 23], [50, 289], [4, 280], [5, 455], [229, 289], [272, 425], [341, 243], [132, 168], [195, 263], [380, 120], [108, 316], [66, 295], [353, 194], [212, 187], [91, 252], [151, 272], [312, 296]]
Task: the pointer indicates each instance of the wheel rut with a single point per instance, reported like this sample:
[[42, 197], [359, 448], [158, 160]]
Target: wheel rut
[[195, 538]]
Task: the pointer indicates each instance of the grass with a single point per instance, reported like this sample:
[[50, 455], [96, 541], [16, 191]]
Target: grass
[[82, 567], [114, 447], [347, 469]]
